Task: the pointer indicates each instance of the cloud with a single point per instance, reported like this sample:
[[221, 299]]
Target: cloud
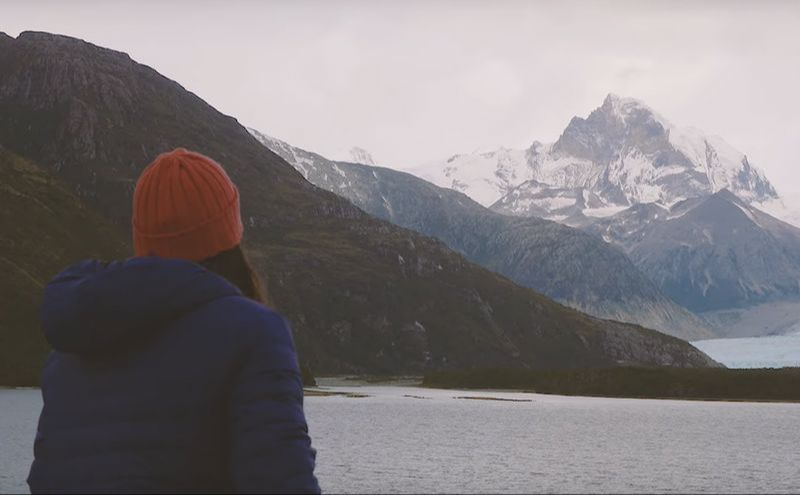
[[493, 83], [417, 80]]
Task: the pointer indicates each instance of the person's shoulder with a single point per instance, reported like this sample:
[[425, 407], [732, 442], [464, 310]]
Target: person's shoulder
[[261, 333]]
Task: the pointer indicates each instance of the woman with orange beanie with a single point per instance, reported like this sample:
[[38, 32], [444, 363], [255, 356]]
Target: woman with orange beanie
[[169, 374]]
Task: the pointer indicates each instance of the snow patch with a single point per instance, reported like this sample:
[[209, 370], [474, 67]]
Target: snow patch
[[786, 208], [605, 211]]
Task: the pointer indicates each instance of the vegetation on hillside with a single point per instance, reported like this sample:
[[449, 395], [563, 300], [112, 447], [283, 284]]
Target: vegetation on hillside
[[43, 228]]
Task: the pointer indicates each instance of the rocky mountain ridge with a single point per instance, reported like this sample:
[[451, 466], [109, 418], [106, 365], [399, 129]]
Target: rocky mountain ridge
[[710, 253], [563, 263]]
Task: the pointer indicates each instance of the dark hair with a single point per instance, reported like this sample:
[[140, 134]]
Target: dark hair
[[235, 267]]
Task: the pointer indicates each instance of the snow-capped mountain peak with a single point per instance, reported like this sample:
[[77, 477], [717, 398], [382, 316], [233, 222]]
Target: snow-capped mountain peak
[[622, 153], [625, 108]]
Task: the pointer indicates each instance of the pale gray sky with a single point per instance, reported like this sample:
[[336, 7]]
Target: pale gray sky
[[413, 81]]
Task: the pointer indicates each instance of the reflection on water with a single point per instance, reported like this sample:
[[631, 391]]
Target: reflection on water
[[406, 439]]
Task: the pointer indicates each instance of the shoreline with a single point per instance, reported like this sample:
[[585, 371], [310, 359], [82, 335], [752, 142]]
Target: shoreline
[[328, 385], [758, 386], [779, 385], [321, 391]]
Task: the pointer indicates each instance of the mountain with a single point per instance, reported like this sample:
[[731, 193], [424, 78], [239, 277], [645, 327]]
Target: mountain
[[563, 263], [710, 253], [622, 154], [625, 173], [43, 227], [362, 294]]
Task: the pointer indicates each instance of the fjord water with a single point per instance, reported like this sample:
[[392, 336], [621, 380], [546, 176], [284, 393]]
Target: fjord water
[[408, 439]]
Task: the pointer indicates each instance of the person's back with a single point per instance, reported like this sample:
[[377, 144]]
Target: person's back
[[165, 377]]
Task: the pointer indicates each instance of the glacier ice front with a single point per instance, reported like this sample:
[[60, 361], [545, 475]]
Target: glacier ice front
[[755, 352]]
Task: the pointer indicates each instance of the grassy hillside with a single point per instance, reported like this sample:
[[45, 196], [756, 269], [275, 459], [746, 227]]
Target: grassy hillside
[[43, 227]]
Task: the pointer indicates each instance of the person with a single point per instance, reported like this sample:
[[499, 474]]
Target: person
[[169, 373]]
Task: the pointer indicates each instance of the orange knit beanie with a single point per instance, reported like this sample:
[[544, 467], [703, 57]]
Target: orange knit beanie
[[185, 206]]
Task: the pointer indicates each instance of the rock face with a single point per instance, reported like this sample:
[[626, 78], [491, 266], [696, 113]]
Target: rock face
[[362, 294], [622, 154], [563, 263], [710, 253]]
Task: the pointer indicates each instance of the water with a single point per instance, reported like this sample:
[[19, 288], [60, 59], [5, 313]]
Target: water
[[754, 352], [19, 411], [390, 443]]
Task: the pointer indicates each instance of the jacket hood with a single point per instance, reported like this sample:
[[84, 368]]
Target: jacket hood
[[94, 307]]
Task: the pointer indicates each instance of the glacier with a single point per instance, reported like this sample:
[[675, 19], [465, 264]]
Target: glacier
[[777, 351]]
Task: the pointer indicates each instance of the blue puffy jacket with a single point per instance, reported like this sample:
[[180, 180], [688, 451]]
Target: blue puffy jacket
[[165, 378]]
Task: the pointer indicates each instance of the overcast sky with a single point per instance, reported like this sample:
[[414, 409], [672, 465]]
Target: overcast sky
[[413, 81]]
